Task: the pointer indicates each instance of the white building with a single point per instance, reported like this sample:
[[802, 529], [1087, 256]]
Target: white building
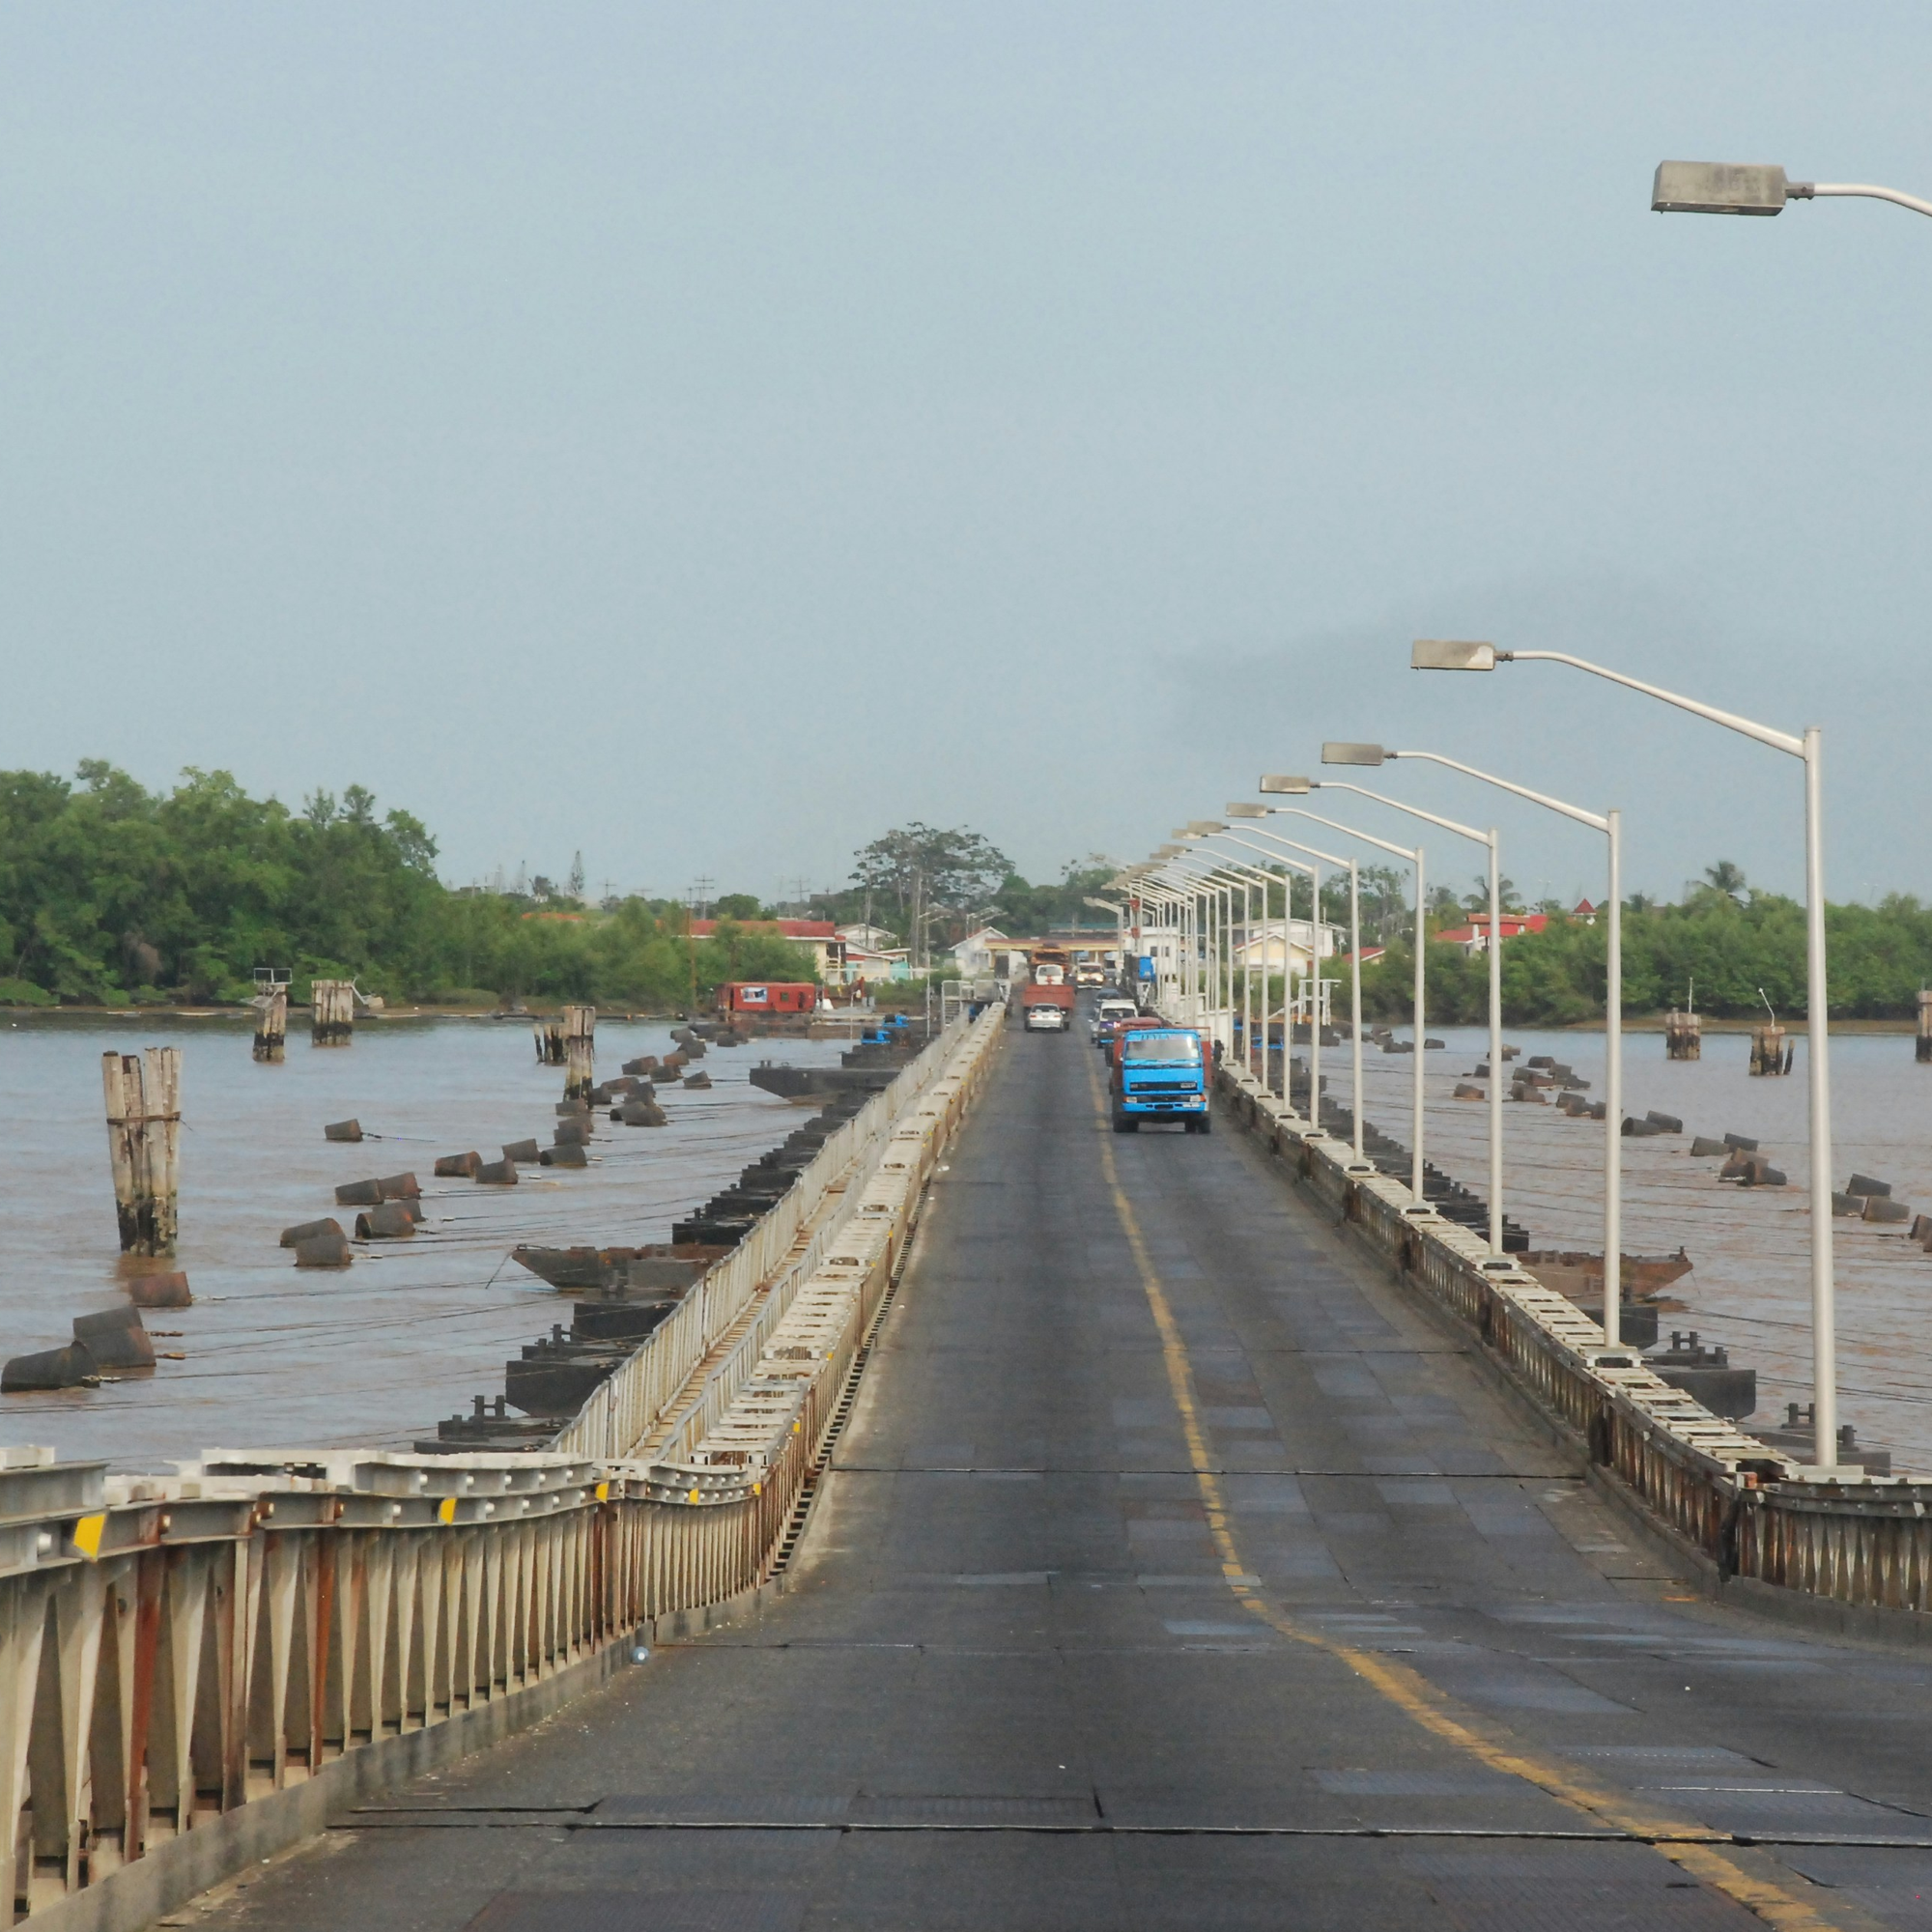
[[976, 955]]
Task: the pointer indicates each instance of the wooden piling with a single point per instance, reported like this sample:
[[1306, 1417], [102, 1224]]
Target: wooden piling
[[1682, 1035], [271, 1025], [332, 1023], [1925, 1026], [579, 1030], [550, 1042], [143, 1098], [1768, 1051]]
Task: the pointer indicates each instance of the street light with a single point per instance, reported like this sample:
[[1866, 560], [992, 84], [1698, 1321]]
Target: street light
[[1253, 812], [1374, 755], [1610, 824], [1732, 188], [1249, 876], [1280, 784], [1437, 654], [1287, 1028]]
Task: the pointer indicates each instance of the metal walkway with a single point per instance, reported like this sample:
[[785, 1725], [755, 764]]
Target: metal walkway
[[1174, 1572]]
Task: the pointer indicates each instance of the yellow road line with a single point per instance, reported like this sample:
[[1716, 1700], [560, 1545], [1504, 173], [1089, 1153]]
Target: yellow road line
[[1691, 1847]]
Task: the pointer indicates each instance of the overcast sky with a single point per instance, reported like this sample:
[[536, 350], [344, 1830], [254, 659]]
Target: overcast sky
[[709, 436]]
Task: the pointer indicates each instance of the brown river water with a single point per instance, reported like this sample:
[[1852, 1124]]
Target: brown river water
[[1750, 1286], [375, 1354]]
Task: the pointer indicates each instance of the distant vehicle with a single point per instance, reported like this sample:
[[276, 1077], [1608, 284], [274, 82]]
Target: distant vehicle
[[1090, 973], [1109, 1014], [1159, 1073], [767, 996], [1046, 1009], [1051, 965]]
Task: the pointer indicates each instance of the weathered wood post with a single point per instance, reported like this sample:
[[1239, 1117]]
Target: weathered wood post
[[1768, 1054], [332, 1023], [271, 1024], [550, 1042], [1925, 1026], [579, 1031], [143, 1139], [1682, 1035]]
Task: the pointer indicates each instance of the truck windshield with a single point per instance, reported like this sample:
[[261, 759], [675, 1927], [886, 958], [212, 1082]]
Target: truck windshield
[[1162, 1046]]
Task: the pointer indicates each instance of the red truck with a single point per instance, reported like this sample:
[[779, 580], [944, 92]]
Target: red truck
[[767, 996], [1047, 1008]]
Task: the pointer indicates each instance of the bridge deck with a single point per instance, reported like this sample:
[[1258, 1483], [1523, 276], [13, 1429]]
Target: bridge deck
[[1176, 1572]]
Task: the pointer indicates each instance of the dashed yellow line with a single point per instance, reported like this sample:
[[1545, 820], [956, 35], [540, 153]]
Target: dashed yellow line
[[1693, 1848]]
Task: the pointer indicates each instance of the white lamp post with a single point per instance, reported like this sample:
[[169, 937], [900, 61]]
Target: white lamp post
[[1279, 783], [1315, 1036], [1442, 654], [1610, 824], [1249, 812]]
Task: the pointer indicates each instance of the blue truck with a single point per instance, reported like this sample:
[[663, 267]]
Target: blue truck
[[1159, 1073]]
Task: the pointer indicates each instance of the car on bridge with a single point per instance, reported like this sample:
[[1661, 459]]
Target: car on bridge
[[1108, 1016]]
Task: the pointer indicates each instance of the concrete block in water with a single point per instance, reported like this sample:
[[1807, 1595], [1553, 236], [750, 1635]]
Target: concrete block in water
[[1668, 1124], [457, 1166], [1703, 1146], [1465, 1090], [359, 1194], [1863, 1184], [1541, 1060], [343, 1130], [1573, 1104], [323, 1251], [1706, 1375], [115, 1339], [1636, 1130], [1761, 1173], [496, 1173], [311, 1231], [572, 1109], [63, 1368], [526, 1152], [1741, 1143], [570, 1153], [644, 1063], [698, 1080], [1845, 1203], [400, 1187], [390, 1222], [641, 1114], [571, 1133], [1880, 1207], [160, 1291], [1922, 1226], [1599, 1110]]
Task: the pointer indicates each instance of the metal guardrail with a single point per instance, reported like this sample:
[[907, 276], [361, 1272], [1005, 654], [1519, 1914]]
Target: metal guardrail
[[1863, 1541], [172, 1649]]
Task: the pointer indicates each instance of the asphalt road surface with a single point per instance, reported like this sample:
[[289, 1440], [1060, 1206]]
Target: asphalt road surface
[[1176, 1572]]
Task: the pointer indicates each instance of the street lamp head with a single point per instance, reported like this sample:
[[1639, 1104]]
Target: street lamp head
[[1168, 851], [1205, 828], [1279, 781], [1721, 187], [1451, 654], [1245, 811], [1334, 752]]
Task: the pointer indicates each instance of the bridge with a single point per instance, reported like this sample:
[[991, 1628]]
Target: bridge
[[1038, 1527], [1177, 1565]]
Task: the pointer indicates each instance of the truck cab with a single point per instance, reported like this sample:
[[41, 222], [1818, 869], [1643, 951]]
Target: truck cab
[[1159, 1072]]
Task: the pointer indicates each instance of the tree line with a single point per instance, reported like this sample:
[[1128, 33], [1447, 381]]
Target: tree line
[[1729, 949], [111, 894]]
